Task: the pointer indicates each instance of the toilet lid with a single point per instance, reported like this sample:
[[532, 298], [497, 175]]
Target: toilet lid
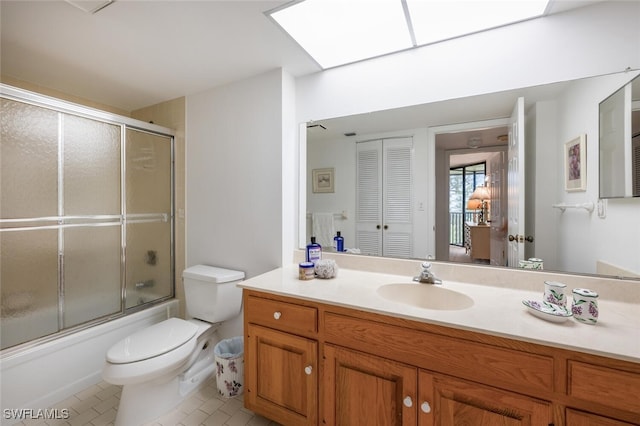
[[152, 341]]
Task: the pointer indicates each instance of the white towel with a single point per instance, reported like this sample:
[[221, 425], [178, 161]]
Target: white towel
[[323, 229]]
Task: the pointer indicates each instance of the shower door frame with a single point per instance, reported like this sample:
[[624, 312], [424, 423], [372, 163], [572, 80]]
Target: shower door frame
[[62, 222]]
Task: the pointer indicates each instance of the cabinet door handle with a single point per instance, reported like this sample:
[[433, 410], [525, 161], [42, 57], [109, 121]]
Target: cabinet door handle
[[407, 401], [425, 407], [308, 370], [277, 315]]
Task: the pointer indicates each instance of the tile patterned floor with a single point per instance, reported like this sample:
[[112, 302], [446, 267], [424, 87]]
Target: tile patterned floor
[[97, 406]]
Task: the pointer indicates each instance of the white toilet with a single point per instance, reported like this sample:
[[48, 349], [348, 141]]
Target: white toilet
[[159, 365]]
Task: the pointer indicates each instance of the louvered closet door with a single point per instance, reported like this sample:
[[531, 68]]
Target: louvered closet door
[[397, 235], [369, 197], [383, 197]]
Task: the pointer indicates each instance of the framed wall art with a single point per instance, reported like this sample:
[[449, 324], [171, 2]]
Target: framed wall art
[[575, 164], [323, 180]]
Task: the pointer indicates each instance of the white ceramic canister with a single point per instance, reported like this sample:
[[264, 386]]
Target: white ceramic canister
[[525, 264], [585, 305], [554, 293], [536, 263]]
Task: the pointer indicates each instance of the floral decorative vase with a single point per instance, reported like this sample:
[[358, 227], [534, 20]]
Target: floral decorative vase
[[554, 293], [585, 305]]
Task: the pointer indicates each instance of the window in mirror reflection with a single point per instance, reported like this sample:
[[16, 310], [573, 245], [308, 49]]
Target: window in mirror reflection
[[462, 182]]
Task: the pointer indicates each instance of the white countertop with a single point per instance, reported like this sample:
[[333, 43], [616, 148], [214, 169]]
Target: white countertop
[[497, 310]]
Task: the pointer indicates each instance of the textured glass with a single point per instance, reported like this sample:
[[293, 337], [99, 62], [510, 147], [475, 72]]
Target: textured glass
[[91, 273], [28, 161], [148, 169], [91, 167], [29, 285], [148, 262]]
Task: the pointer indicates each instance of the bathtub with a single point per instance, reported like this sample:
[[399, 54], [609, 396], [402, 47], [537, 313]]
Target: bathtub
[[39, 377]]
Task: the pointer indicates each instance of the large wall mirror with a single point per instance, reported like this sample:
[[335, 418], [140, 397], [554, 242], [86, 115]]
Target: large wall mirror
[[620, 142], [401, 182]]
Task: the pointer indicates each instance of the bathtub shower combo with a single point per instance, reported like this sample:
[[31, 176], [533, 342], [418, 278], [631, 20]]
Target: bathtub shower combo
[[86, 220]]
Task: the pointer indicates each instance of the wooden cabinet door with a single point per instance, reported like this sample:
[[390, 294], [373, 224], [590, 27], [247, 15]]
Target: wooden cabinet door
[[281, 372], [445, 401], [361, 389]]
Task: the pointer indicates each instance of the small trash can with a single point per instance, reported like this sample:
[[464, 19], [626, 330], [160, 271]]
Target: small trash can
[[229, 356]]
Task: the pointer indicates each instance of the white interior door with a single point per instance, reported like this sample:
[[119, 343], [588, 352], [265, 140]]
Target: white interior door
[[498, 186], [515, 184], [397, 227], [384, 179], [369, 197]]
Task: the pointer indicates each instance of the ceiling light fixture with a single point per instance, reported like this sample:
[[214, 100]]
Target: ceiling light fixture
[[438, 20], [90, 6], [474, 141], [338, 32]]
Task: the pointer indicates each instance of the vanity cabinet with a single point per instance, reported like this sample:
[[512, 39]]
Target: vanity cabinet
[[281, 364], [447, 401], [368, 368], [368, 390], [581, 418], [360, 389]]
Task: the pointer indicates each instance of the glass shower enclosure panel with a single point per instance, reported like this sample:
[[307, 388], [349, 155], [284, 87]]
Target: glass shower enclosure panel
[[86, 216], [91, 202], [29, 274], [149, 210], [28, 196]]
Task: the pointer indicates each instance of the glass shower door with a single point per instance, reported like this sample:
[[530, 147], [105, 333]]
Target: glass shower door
[[148, 218], [28, 201], [86, 217], [92, 208]]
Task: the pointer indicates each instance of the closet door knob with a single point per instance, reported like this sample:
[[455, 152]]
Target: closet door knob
[[386, 227], [377, 226], [425, 407], [277, 315], [308, 370], [407, 401]]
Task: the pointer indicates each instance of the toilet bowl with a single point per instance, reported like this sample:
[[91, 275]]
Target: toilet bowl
[[160, 365]]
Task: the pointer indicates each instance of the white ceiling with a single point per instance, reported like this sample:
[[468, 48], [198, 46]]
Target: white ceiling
[[132, 54]]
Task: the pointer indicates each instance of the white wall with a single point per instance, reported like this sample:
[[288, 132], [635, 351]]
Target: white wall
[[588, 41], [543, 170], [236, 146]]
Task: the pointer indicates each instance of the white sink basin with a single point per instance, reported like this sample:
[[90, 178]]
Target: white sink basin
[[427, 296]]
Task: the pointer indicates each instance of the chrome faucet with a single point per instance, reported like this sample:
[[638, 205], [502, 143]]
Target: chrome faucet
[[426, 276]]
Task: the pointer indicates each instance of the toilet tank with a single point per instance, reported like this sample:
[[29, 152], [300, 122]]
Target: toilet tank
[[211, 293]]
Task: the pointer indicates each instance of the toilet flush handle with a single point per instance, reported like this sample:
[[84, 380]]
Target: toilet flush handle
[[277, 315]]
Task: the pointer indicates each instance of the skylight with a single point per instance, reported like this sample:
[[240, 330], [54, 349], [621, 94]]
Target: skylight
[[338, 32]]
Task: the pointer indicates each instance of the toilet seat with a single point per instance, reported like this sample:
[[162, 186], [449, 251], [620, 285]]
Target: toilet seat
[[163, 355], [152, 341]]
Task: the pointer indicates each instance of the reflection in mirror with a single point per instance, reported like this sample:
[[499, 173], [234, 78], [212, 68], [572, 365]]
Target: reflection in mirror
[[620, 142], [426, 211]]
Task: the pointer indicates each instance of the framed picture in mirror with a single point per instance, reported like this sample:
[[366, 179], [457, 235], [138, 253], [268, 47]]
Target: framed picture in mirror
[[323, 180], [575, 164]]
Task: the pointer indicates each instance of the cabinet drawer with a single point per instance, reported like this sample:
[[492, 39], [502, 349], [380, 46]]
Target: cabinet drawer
[[615, 388], [282, 315], [479, 362], [580, 418]]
